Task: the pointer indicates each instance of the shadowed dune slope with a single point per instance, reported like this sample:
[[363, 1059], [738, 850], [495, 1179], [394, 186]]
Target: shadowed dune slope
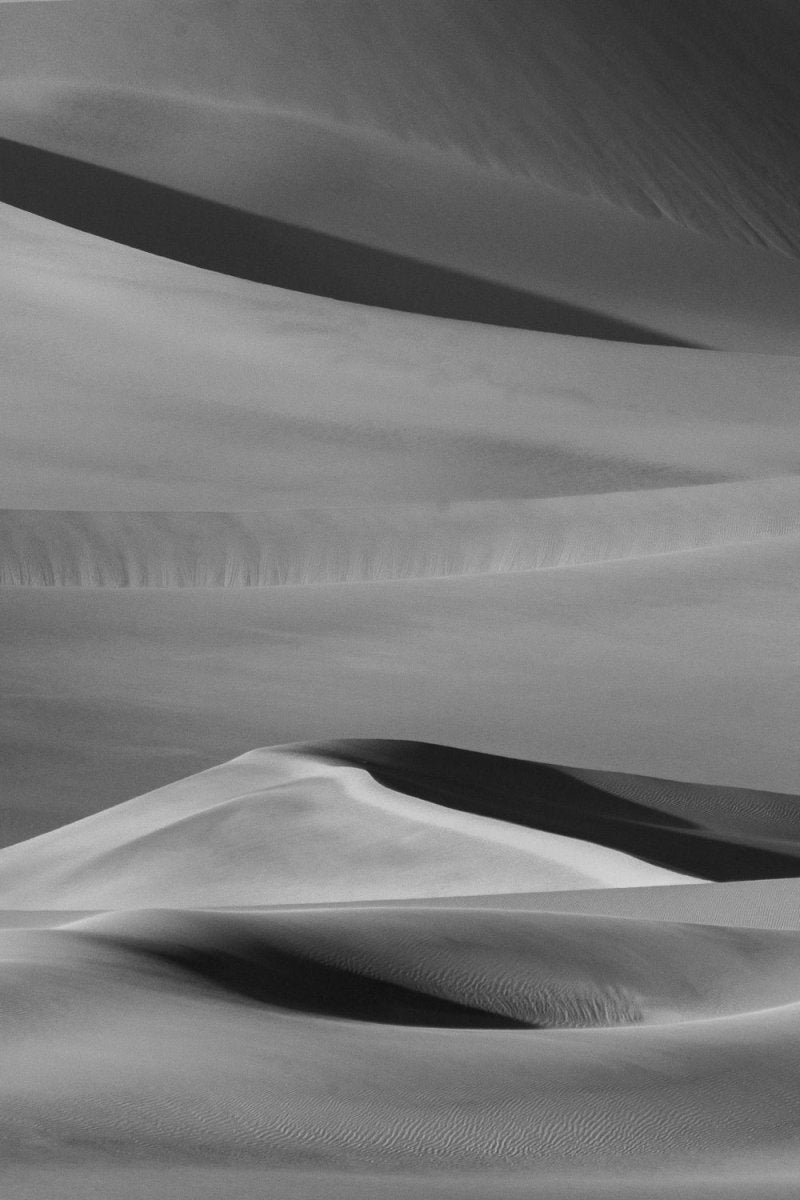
[[317, 209], [536, 970], [206, 392], [302, 546], [216, 237], [708, 836], [684, 109], [408, 388], [144, 1054], [283, 827]]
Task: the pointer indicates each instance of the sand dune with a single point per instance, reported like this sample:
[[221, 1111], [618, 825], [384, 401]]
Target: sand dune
[[216, 237], [262, 830], [540, 971], [355, 218], [749, 904], [717, 833], [93, 549], [204, 392], [115, 691], [383, 1100], [408, 388], [648, 106]]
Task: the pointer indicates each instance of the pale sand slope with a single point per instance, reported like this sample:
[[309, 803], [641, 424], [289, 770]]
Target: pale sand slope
[[336, 544], [679, 108], [745, 904], [748, 904], [278, 827], [183, 1040], [679, 667], [425, 207], [146, 384]]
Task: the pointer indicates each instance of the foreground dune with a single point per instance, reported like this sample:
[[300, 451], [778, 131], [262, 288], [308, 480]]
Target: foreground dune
[[232, 1060], [191, 1040], [408, 388]]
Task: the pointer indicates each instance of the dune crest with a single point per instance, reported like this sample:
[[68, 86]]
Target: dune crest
[[94, 549], [263, 830], [408, 388]]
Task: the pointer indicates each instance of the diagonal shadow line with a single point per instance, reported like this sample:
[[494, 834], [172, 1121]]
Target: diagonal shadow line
[[218, 237], [253, 970], [540, 796]]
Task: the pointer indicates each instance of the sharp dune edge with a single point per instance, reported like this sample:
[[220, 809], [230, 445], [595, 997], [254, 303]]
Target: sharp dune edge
[[408, 389]]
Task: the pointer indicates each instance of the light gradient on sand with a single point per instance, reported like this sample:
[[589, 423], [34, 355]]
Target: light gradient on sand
[[399, 543]]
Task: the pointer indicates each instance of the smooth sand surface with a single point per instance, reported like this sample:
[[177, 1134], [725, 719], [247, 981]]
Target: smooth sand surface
[[169, 1037], [679, 110], [205, 392], [399, 546], [343, 544], [401, 228], [265, 830], [676, 667]]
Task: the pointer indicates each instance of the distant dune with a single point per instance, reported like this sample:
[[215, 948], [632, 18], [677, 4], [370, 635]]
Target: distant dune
[[713, 832], [321, 209], [205, 392], [750, 904], [297, 546], [408, 388], [115, 691], [264, 830], [218, 237], [681, 110]]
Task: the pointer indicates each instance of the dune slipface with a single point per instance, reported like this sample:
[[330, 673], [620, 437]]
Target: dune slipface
[[399, 541]]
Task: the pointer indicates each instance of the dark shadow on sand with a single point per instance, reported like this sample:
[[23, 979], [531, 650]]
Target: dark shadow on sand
[[217, 237], [254, 970], [543, 797]]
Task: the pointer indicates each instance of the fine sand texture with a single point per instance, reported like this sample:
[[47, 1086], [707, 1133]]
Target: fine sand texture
[[399, 546]]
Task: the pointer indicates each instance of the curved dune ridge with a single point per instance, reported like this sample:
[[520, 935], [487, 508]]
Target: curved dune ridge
[[408, 388], [221, 238], [681, 110], [290, 826], [351, 216], [404, 819], [639, 1029], [207, 393], [545, 971], [746, 904], [703, 830], [93, 549]]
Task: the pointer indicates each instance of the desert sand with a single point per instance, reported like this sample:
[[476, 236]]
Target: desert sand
[[399, 544]]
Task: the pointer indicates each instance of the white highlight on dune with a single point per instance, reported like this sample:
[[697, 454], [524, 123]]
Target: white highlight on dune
[[275, 827]]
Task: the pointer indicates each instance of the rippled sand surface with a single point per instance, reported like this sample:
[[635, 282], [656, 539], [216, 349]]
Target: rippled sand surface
[[399, 540]]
